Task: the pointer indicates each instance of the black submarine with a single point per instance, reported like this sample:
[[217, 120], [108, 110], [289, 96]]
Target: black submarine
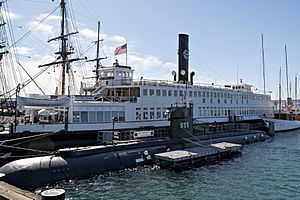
[[78, 163]]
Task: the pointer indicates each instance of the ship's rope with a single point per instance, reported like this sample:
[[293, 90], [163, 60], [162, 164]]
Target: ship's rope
[[198, 139], [27, 137], [26, 149], [30, 31], [31, 138]]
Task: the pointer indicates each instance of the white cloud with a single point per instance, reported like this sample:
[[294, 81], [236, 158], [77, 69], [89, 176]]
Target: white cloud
[[88, 33], [49, 18], [11, 15], [115, 38], [23, 50], [46, 28], [151, 67]]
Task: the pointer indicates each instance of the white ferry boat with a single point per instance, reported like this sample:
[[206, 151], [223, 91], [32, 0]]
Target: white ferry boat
[[120, 102]]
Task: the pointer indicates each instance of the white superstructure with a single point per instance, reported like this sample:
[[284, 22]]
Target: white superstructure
[[121, 102]]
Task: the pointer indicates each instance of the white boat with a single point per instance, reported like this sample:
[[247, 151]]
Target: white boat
[[120, 102], [125, 103]]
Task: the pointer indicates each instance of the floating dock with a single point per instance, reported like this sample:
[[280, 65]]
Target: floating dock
[[197, 156]]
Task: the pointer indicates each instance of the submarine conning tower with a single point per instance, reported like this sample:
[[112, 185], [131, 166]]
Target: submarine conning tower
[[181, 119], [183, 58]]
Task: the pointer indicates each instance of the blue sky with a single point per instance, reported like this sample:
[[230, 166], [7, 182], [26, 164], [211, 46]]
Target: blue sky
[[223, 35]]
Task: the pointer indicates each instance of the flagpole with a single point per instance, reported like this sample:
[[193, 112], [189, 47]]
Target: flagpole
[[126, 51]]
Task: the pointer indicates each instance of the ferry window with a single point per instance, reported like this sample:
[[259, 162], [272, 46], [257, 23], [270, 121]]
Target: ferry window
[[190, 93], [114, 115], [158, 115], [170, 93], [199, 94], [76, 117], [203, 100], [145, 115], [145, 92], [165, 115], [203, 94], [175, 93], [211, 100], [138, 115], [211, 113], [151, 92], [157, 92], [207, 94], [84, 116], [158, 108], [100, 116], [225, 101], [218, 100], [151, 115], [181, 93], [195, 93], [92, 116], [151, 108], [107, 116], [121, 116], [164, 92]]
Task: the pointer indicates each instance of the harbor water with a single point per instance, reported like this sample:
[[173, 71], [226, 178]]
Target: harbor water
[[268, 170]]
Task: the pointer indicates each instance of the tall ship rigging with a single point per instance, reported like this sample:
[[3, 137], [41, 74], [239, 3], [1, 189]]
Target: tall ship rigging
[[116, 101]]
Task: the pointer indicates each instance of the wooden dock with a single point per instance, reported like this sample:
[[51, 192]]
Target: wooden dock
[[199, 155], [9, 192]]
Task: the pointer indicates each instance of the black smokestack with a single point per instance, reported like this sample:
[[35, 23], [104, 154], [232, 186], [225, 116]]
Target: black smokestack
[[183, 58], [192, 78]]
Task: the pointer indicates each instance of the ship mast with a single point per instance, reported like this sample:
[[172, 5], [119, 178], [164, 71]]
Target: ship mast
[[295, 102], [65, 62], [286, 72], [63, 52], [279, 104], [263, 61], [97, 57], [289, 99]]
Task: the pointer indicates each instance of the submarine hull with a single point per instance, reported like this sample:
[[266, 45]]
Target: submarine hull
[[35, 172]]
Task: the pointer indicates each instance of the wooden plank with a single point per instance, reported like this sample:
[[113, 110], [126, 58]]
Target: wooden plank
[[13, 193]]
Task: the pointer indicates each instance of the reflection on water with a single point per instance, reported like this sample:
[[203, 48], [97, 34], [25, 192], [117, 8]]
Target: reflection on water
[[268, 170]]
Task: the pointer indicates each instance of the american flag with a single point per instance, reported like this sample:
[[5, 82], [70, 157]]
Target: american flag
[[121, 49]]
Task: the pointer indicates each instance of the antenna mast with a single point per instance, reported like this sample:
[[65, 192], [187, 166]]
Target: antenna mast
[[287, 73], [263, 61], [97, 59], [279, 104], [295, 104]]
